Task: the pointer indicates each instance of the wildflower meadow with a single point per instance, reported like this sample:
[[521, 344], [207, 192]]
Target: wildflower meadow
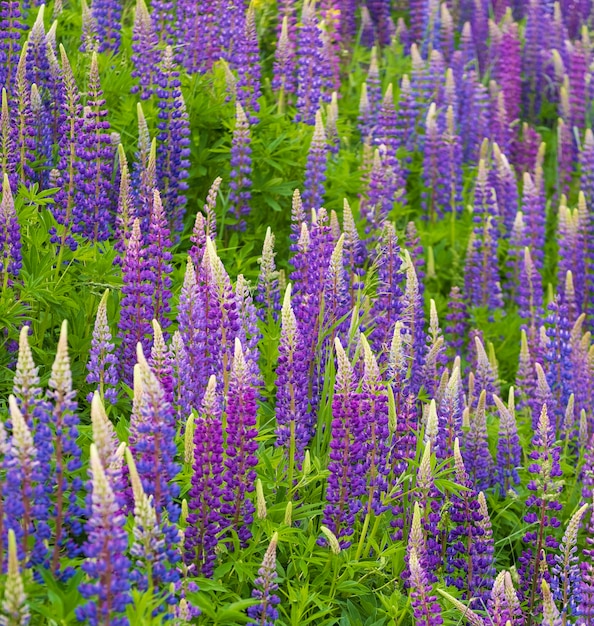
[[296, 312]]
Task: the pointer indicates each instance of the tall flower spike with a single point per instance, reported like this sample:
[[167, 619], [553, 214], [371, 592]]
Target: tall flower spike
[[144, 51], [310, 62], [509, 450], [247, 62], [107, 15], [241, 169], [26, 378], [14, 606], [476, 447], [102, 363], [268, 294], [426, 609], [106, 564], [10, 236], [283, 73], [315, 169], [265, 613]]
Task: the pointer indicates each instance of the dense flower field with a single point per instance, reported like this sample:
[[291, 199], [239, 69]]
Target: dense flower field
[[295, 312]]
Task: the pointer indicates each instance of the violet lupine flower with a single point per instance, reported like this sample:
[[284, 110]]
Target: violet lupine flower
[[241, 169], [205, 224], [246, 60], [23, 124], [450, 415], [144, 51], [204, 520], [542, 506], [457, 319], [485, 371], [426, 609], [577, 71], [160, 361], [587, 166], [182, 387], [15, 609], [534, 210], [346, 480], [92, 209], [173, 147], [66, 482], [431, 174], [315, 168], [503, 604], [406, 120], [585, 607], [571, 232], [108, 16], [381, 192], [473, 116], [106, 564], [477, 457], [152, 442], [10, 236], [283, 73], [310, 61], [265, 613], [365, 118], [126, 210], [294, 422], [8, 152], [465, 547], [268, 293], [509, 449], [89, 37], [12, 24], [387, 305], [503, 180], [144, 172], [158, 261], [239, 477], [499, 129], [355, 253], [136, 303], [102, 362], [435, 360]]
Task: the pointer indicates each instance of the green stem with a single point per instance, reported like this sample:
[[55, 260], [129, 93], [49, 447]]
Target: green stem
[[291, 458]]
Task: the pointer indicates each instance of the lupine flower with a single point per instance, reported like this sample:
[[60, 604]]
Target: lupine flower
[[109, 448], [509, 450], [11, 27], [23, 121], [476, 447], [426, 609], [241, 168], [268, 293], [144, 172], [102, 362], [10, 236], [107, 15], [106, 564], [126, 210], [456, 319], [315, 169], [309, 65], [503, 604], [265, 613], [542, 505], [136, 304], [144, 51], [239, 477], [283, 73], [14, 606], [182, 387], [246, 60]]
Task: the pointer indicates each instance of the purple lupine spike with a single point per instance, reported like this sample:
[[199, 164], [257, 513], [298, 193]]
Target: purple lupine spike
[[204, 520], [284, 70], [507, 70], [407, 115], [136, 303], [332, 125], [265, 613], [482, 283], [542, 506], [381, 193], [485, 371], [472, 115], [144, 51], [23, 120], [268, 294], [509, 450], [374, 86], [355, 253], [450, 415], [532, 62], [477, 456], [499, 129], [109, 448], [387, 305], [92, 209], [503, 604], [173, 146], [484, 550], [154, 546], [10, 236], [20, 488], [107, 589], [152, 442], [577, 85], [586, 586], [456, 318], [248, 331], [374, 405], [108, 16], [466, 538], [587, 166], [571, 252], [246, 61], [8, 152], [450, 166], [335, 295], [205, 224], [435, 354], [144, 172], [102, 362], [346, 483], [237, 509], [534, 210], [40, 137], [446, 32], [158, 261], [503, 180], [126, 210], [431, 173], [310, 49], [12, 24], [365, 119], [89, 38], [66, 482], [160, 361], [418, 19], [315, 169], [241, 169], [294, 423], [181, 375]]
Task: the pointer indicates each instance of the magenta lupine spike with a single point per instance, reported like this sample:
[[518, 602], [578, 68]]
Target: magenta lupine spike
[[240, 460], [144, 51], [284, 72], [65, 482], [173, 141], [102, 362], [241, 169], [107, 587], [315, 169], [310, 52], [246, 60], [346, 481], [204, 520], [265, 613], [542, 506], [509, 450], [158, 261], [477, 457], [136, 303], [507, 70], [93, 208]]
